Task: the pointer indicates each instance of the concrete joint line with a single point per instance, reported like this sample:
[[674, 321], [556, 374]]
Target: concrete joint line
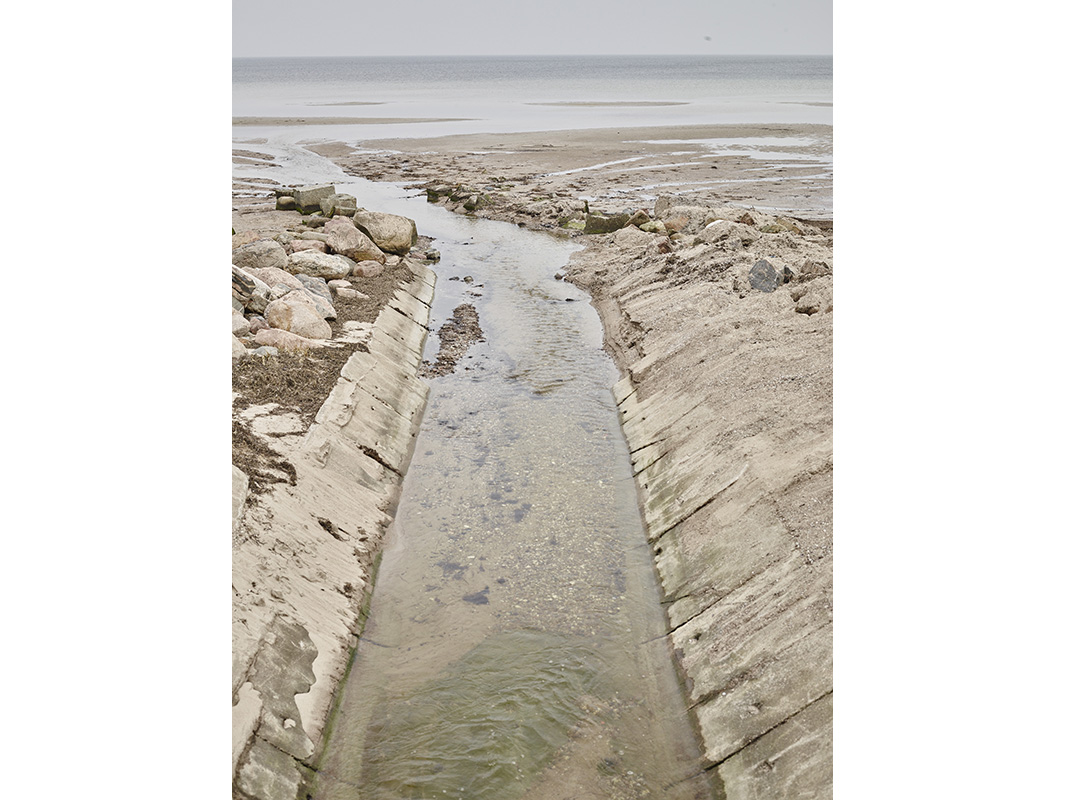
[[747, 744], [714, 496]]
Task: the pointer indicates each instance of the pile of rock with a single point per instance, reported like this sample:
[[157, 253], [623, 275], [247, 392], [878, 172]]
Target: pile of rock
[[284, 283]]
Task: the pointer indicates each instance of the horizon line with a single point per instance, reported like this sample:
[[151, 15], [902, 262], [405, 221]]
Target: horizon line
[[529, 55]]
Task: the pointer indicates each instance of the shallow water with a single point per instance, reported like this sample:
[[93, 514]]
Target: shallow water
[[515, 644]]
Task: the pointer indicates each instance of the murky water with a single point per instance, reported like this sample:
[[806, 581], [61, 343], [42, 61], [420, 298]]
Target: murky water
[[514, 647]]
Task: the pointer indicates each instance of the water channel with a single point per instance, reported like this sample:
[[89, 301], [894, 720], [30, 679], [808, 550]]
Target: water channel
[[515, 644]]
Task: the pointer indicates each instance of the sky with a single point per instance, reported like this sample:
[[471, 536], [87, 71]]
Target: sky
[[545, 27]]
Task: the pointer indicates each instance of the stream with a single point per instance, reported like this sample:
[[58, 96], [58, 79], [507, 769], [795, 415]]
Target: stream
[[515, 647]]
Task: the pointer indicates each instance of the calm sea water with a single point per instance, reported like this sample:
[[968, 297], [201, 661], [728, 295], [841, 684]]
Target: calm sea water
[[526, 93]]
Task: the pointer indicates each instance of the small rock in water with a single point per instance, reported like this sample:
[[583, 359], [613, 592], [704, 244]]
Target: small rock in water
[[477, 598]]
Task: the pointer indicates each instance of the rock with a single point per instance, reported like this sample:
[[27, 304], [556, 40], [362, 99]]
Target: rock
[[317, 221], [367, 269], [595, 224], [317, 289], [256, 324], [347, 240], [352, 294], [326, 205], [322, 307], [285, 203], [809, 303], [272, 277], [639, 218], [240, 325], [252, 293], [339, 284], [763, 277], [813, 269], [336, 201], [284, 340], [435, 193], [297, 315], [432, 254], [242, 238], [654, 226], [261, 254], [239, 350], [727, 235], [390, 232], [312, 236], [264, 351], [309, 198], [307, 244], [685, 219], [316, 286], [319, 265]]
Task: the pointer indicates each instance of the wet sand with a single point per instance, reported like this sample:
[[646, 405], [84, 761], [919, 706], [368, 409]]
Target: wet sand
[[781, 168]]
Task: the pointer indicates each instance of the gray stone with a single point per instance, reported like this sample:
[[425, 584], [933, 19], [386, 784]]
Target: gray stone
[[313, 236], [316, 286], [309, 198], [390, 232], [763, 276], [285, 203], [316, 221], [432, 254], [264, 351], [260, 254], [595, 224], [318, 265]]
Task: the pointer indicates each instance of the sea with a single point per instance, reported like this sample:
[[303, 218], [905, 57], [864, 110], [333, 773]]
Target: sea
[[428, 96]]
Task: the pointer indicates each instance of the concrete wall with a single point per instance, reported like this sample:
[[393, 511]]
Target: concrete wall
[[304, 555], [726, 403]]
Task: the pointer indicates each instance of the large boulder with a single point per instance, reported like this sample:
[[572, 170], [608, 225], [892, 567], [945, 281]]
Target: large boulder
[[295, 313], [319, 265], [309, 198], [344, 238], [391, 232], [239, 350], [260, 254], [324, 308]]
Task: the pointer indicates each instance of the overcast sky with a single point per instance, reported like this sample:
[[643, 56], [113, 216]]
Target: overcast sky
[[548, 27]]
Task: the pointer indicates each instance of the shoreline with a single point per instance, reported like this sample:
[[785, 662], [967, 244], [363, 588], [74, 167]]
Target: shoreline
[[781, 167]]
